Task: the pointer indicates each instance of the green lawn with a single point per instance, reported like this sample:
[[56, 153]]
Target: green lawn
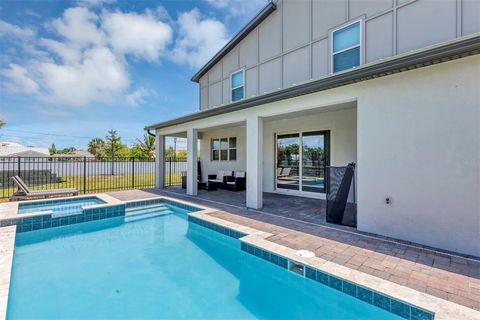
[[100, 183], [92, 184]]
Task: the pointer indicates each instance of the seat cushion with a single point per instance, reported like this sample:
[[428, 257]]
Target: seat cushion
[[239, 174], [215, 180]]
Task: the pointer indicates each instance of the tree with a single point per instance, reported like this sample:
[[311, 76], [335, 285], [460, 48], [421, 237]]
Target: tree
[[113, 144], [2, 123], [169, 152], [53, 150], [96, 147], [146, 146]]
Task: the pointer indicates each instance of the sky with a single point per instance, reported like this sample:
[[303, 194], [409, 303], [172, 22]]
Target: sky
[[72, 70]]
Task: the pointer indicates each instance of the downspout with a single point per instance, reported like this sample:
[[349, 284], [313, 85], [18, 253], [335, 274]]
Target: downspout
[[150, 134]]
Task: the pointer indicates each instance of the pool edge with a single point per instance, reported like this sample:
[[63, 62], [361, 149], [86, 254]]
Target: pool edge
[[442, 309], [7, 246]]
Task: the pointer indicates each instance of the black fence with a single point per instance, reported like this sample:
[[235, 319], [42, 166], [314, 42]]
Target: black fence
[[86, 174], [175, 168]]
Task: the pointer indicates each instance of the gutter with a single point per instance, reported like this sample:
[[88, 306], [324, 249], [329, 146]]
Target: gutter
[[446, 51]]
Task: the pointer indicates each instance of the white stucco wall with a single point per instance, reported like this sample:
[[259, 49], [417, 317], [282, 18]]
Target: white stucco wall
[[419, 144], [343, 135]]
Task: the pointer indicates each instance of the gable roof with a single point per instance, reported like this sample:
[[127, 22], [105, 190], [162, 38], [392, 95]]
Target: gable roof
[[262, 15], [438, 53]]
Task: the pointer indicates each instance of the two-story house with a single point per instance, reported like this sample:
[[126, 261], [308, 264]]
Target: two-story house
[[392, 85]]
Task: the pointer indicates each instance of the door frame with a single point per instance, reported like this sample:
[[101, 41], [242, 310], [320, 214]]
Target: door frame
[[300, 192]]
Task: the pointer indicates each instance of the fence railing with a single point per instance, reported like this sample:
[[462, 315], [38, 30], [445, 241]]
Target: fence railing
[[86, 174], [175, 167]]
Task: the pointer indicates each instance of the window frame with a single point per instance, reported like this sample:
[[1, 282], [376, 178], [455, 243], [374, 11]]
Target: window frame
[[242, 86], [359, 45], [220, 148]]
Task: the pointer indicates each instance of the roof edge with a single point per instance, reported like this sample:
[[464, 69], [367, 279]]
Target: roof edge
[[262, 15], [446, 51]]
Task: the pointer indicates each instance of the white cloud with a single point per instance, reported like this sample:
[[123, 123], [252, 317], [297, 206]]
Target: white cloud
[[79, 26], [219, 4], [100, 76], [7, 29], [141, 35], [198, 40], [86, 57], [138, 96], [94, 3], [19, 80], [66, 52], [236, 8]]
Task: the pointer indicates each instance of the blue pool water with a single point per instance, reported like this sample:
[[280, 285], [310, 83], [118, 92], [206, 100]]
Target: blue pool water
[[60, 207], [162, 267]]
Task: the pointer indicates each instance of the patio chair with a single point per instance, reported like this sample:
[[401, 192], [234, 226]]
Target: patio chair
[[285, 172], [220, 178], [24, 193], [237, 182]]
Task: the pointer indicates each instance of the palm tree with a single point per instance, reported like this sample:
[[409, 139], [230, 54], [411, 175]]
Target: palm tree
[[147, 145], [96, 147]]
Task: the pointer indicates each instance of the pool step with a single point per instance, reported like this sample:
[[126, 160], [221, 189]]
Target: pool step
[[156, 206], [146, 213]]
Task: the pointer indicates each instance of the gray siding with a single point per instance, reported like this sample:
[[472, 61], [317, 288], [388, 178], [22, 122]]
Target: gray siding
[[293, 44]]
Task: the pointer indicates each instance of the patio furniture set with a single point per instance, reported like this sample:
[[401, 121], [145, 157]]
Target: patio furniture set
[[226, 179]]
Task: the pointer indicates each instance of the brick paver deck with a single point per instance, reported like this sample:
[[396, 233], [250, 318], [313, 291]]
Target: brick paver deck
[[448, 276]]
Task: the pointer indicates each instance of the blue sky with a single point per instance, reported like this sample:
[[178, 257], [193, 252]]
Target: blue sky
[[72, 70]]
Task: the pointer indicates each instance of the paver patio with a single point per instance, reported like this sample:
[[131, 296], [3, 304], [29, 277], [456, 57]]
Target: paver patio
[[445, 275]]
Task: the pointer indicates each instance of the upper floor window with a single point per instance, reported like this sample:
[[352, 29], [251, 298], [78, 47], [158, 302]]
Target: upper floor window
[[346, 46], [237, 83]]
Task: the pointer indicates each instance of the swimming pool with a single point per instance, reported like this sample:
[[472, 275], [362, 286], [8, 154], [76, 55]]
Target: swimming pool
[[59, 207], [161, 267]]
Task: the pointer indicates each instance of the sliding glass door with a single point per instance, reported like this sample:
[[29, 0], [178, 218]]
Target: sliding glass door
[[288, 159], [301, 161], [314, 160]]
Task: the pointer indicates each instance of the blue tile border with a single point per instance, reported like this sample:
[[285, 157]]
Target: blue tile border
[[148, 202], [58, 201], [47, 221], [377, 299], [215, 227]]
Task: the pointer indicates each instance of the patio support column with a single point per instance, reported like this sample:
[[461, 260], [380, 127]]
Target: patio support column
[[159, 160], [254, 162], [192, 166]]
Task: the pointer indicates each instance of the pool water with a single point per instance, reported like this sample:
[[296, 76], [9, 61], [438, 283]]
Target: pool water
[[60, 207], [162, 267]]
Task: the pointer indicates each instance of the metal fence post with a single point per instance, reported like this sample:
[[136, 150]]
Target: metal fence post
[[133, 172], [18, 168], [84, 175]]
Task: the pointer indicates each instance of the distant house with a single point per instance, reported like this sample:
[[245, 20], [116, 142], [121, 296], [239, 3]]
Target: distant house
[[12, 149], [74, 154], [390, 85]]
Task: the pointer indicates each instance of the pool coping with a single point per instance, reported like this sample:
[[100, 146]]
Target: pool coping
[[442, 309], [9, 210], [7, 245]]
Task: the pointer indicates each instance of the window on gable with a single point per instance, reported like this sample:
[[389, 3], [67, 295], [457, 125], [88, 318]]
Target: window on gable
[[346, 44], [237, 84]]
